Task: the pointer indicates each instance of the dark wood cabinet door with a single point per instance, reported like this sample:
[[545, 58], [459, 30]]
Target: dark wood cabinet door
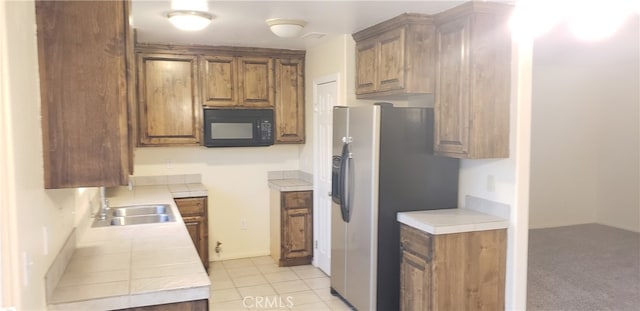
[[366, 64], [219, 81], [83, 50], [452, 87], [289, 107], [195, 217], [168, 103], [196, 228], [297, 227], [391, 62], [415, 282], [194, 305], [255, 82]]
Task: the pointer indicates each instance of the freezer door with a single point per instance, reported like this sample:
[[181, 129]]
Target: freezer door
[[338, 226], [364, 130]]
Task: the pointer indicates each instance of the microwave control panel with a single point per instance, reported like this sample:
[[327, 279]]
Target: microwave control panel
[[266, 131]]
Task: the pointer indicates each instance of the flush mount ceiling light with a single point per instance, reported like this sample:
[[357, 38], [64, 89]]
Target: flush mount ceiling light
[[286, 28], [189, 20]]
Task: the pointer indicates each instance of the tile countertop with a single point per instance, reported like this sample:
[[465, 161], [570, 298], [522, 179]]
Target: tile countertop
[[445, 221], [284, 181], [138, 265]]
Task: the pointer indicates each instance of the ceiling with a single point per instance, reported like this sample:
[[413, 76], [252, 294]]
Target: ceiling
[[242, 23]]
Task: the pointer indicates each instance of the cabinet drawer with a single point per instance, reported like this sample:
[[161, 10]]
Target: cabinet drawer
[[415, 241], [297, 199], [191, 206]]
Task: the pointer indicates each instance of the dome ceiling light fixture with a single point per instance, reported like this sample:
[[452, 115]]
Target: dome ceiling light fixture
[[286, 28], [189, 20]]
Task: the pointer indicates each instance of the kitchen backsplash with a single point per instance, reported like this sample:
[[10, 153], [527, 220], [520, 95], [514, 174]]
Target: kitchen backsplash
[[166, 180]]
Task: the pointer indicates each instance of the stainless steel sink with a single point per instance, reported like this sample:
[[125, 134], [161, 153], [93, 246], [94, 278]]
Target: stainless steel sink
[[139, 219], [136, 215], [152, 209]]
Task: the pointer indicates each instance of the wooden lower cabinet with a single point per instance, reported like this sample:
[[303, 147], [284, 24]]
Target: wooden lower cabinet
[[458, 271], [194, 305], [194, 215], [292, 227]]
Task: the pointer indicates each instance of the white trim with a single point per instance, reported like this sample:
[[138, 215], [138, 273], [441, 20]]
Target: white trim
[[316, 82], [8, 250]]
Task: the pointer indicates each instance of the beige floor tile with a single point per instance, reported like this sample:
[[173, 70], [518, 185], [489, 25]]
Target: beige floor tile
[[337, 305], [216, 265], [316, 283], [314, 306], [264, 290], [238, 263], [281, 276], [223, 295], [262, 260], [249, 280], [310, 273], [227, 306], [271, 267], [219, 275], [302, 298], [325, 294], [269, 303], [290, 286], [302, 268], [236, 272], [222, 285]]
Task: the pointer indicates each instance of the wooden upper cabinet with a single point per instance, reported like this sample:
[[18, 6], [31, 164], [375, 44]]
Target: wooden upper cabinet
[[256, 82], [168, 103], [83, 55], [391, 62], [220, 81], [395, 59], [473, 81], [289, 107], [231, 81]]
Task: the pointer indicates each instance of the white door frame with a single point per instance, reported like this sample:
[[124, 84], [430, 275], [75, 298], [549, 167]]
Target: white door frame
[[316, 161], [8, 268]]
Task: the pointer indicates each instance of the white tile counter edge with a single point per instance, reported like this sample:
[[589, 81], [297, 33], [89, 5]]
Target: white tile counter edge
[[446, 221]]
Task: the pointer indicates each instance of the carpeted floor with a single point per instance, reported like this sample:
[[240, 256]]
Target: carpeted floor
[[583, 267]]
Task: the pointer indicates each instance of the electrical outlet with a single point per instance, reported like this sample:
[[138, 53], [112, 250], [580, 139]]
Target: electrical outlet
[[243, 224]]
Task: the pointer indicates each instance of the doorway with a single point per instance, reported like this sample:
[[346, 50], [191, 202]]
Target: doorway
[[325, 97]]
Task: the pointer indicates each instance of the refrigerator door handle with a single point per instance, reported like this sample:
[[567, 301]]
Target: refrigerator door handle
[[344, 180]]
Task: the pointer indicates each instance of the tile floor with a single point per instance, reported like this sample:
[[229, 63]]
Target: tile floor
[[259, 284]]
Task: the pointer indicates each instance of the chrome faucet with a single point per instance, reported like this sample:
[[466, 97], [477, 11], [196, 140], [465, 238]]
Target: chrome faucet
[[104, 204]]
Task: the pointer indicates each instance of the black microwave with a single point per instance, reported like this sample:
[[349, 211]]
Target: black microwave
[[238, 127]]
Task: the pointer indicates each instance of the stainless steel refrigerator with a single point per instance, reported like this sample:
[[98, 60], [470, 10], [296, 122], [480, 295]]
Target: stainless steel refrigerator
[[383, 163]]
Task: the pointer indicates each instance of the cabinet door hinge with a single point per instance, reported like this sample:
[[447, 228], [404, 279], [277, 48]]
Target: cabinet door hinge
[[315, 244]]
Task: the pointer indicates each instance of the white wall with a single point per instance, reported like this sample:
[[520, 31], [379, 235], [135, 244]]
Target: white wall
[[30, 208], [585, 132], [236, 179], [334, 56]]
